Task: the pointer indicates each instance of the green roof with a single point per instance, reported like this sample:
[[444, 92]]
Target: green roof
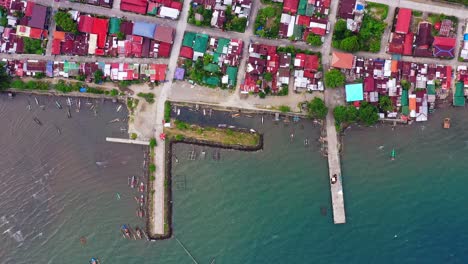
[[298, 31], [459, 96], [114, 25], [211, 67], [431, 89], [70, 66], [222, 42], [213, 81], [201, 43], [459, 89], [215, 57], [405, 110], [404, 97], [310, 10], [232, 75], [189, 37], [301, 9]]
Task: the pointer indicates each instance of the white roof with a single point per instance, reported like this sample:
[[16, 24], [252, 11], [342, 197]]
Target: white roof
[[285, 18], [169, 12], [92, 43], [291, 27], [317, 25]]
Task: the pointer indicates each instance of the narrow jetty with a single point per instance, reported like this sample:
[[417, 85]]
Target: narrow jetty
[[334, 168], [128, 141]]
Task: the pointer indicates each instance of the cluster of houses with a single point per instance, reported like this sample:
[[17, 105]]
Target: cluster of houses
[[113, 37], [464, 47], [352, 11], [33, 25], [67, 69], [239, 8], [422, 43], [412, 87], [226, 56], [268, 69], [461, 85], [161, 8], [103, 3], [303, 17]]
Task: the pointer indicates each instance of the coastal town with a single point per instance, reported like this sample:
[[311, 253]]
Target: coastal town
[[360, 61]]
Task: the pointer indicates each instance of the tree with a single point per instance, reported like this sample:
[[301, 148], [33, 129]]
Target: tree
[[65, 21], [152, 143], [268, 76], [317, 108], [352, 113], [314, 40], [5, 79], [341, 114], [33, 46], [405, 84], [368, 114], [350, 44], [152, 167], [385, 103], [334, 78], [98, 76], [340, 29]]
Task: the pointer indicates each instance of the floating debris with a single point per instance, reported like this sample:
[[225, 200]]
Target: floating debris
[[114, 120], [59, 131]]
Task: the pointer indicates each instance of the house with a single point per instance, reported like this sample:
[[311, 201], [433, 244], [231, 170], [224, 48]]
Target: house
[[346, 9], [444, 47], [403, 21], [354, 92], [290, 6], [135, 6], [144, 29], [445, 27], [342, 60], [164, 34], [36, 15], [169, 12]]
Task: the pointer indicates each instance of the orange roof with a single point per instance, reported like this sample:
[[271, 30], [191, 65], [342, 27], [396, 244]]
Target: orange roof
[[412, 103], [342, 60], [60, 35], [394, 66]]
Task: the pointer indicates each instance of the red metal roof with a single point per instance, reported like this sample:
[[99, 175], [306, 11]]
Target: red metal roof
[[133, 8], [186, 52], [303, 20], [403, 21], [290, 6], [160, 72], [176, 5], [311, 63], [164, 50], [35, 33], [318, 31], [85, 24], [56, 47], [29, 8], [408, 46], [443, 41], [100, 27]]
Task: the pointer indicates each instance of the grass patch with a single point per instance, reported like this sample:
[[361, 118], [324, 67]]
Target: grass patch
[[284, 108], [377, 11], [226, 137], [149, 97], [417, 13], [167, 111]]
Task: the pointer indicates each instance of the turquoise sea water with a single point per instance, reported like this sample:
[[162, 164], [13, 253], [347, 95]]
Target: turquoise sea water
[[261, 207]]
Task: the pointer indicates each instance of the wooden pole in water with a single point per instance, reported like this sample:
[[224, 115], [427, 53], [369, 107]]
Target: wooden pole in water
[[188, 253]]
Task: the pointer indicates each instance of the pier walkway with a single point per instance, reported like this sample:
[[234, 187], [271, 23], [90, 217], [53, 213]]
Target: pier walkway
[[334, 168], [128, 141]]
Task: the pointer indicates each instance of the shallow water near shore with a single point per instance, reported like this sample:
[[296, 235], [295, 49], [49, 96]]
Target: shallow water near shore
[[246, 207]]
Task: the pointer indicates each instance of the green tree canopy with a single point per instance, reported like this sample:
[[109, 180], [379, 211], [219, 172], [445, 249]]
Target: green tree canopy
[[5, 79], [64, 20], [340, 114], [334, 78], [368, 114], [385, 103], [350, 44], [314, 40], [98, 76], [268, 76], [317, 108]]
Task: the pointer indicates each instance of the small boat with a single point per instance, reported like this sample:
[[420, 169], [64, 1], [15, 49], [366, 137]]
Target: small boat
[[69, 102], [141, 201], [334, 179], [78, 108], [126, 231], [10, 95], [222, 125], [253, 130], [59, 106], [141, 212], [29, 107], [59, 131], [277, 117], [393, 154], [142, 187], [37, 121], [69, 113], [178, 111], [94, 261], [306, 142], [133, 182], [37, 102], [204, 112], [119, 108], [235, 115], [138, 232], [262, 120], [114, 120], [447, 123]]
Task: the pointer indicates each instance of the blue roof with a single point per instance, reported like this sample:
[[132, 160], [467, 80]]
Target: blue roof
[[144, 29], [354, 92], [359, 7], [465, 37], [50, 69]]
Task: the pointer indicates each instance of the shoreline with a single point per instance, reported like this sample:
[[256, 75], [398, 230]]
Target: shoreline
[[71, 94]]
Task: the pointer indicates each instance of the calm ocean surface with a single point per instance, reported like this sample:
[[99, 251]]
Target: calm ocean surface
[[261, 207]]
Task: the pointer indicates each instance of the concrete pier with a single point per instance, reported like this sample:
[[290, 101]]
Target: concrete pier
[[334, 168], [128, 141]]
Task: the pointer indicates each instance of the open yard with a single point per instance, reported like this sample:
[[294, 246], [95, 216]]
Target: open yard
[[267, 21]]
